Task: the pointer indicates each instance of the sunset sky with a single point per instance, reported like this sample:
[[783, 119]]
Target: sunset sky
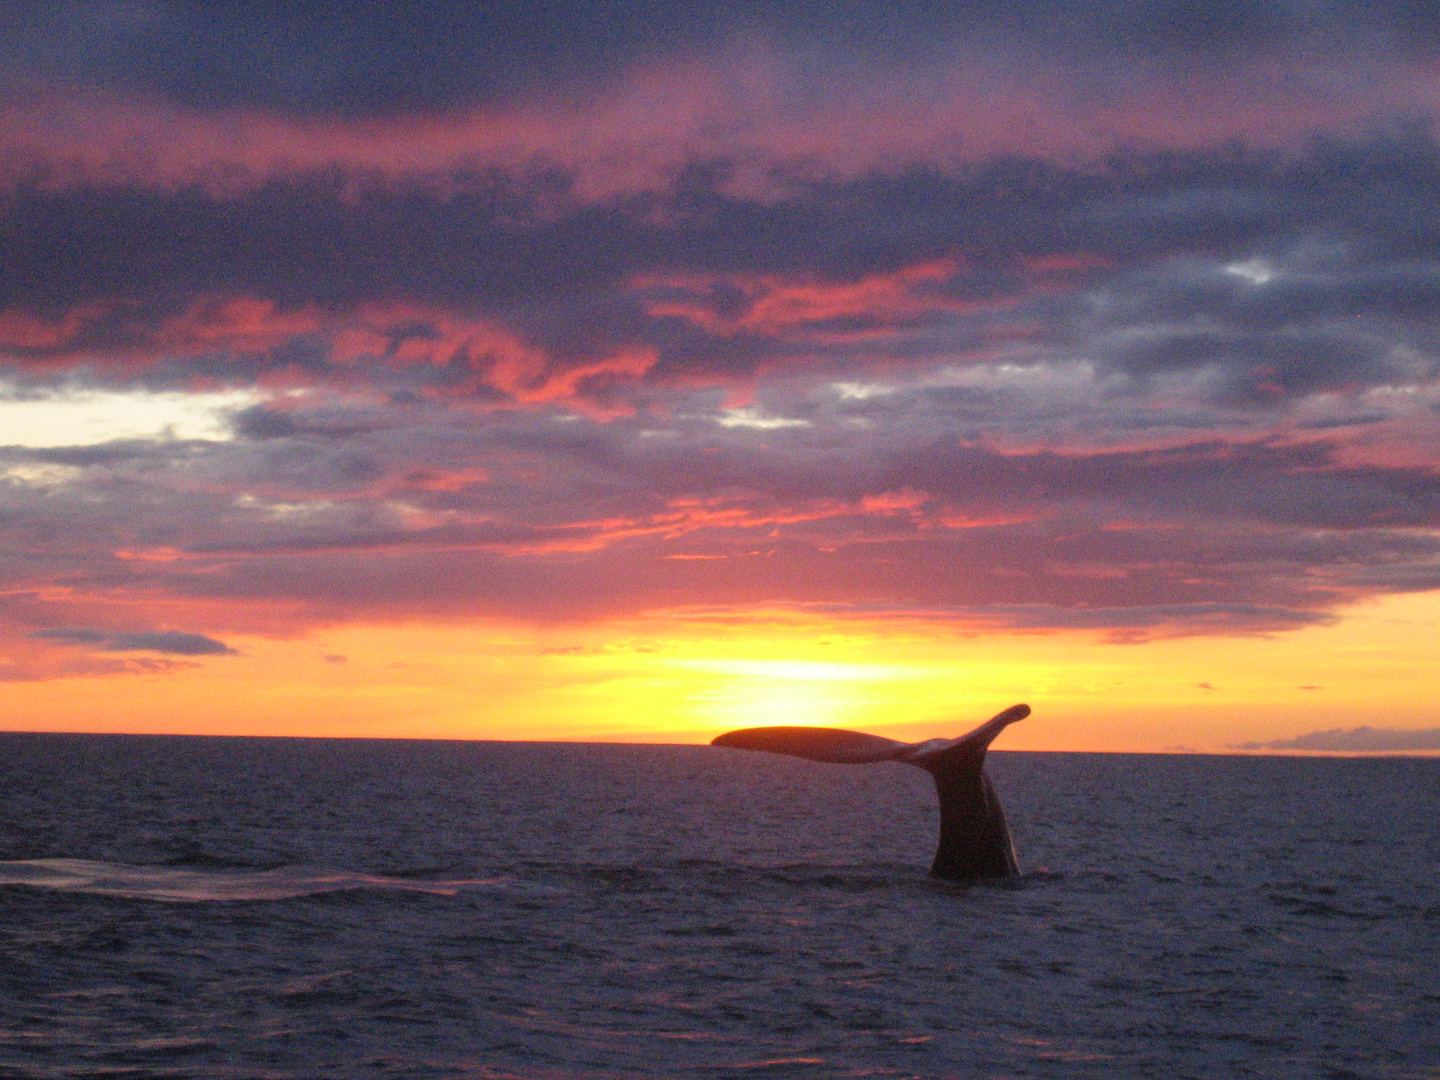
[[637, 371]]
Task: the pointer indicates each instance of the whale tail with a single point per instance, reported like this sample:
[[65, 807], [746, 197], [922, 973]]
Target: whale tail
[[974, 837], [944, 754]]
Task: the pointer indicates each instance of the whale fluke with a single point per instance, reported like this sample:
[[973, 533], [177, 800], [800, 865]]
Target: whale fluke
[[974, 838], [816, 743]]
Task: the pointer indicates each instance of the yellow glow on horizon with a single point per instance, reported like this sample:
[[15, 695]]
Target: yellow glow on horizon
[[686, 680], [814, 671]]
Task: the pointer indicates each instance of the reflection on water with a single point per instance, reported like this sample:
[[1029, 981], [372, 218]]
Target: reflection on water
[[371, 909], [180, 884]]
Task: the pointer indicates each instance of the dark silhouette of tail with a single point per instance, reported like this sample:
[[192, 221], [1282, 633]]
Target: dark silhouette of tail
[[974, 838]]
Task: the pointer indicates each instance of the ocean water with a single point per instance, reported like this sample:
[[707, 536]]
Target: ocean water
[[257, 908]]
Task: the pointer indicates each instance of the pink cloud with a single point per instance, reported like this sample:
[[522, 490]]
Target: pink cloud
[[798, 306], [753, 108]]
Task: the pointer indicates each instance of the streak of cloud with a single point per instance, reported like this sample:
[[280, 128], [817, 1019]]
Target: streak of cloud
[[1360, 740], [176, 642]]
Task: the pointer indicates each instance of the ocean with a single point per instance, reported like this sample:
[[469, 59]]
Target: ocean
[[296, 908]]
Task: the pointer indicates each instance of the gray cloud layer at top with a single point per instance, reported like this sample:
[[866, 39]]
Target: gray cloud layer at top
[[372, 57]]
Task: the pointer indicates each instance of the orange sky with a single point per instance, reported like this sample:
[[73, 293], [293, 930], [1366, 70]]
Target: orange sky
[[674, 680]]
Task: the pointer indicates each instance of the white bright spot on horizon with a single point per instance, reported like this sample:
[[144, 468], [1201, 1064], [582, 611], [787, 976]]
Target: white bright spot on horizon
[[75, 417]]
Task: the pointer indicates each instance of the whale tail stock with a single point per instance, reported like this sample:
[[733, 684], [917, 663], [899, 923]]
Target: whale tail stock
[[974, 837]]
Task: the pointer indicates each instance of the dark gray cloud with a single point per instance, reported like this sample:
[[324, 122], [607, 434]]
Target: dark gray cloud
[[371, 58], [78, 635], [165, 641], [169, 641], [1360, 740], [258, 422]]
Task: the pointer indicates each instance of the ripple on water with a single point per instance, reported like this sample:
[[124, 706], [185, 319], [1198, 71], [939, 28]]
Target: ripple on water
[[312, 908], [196, 885]]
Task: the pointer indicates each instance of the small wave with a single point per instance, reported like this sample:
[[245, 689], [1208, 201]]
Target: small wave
[[189, 884]]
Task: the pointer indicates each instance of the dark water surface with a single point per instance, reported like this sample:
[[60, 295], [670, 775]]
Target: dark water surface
[[271, 908]]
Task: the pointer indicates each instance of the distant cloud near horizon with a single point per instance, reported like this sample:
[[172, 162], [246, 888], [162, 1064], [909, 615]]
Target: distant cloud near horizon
[[165, 641], [170, 641], [78, 635], [1356, 740]]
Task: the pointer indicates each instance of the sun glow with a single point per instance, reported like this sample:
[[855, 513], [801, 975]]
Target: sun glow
[[679, 680], [742, 692]]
